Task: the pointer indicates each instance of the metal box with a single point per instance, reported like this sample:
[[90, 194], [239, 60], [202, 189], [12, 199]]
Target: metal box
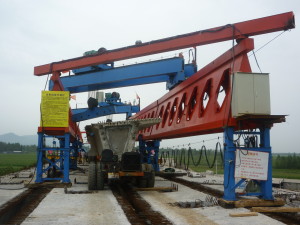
[[250, 94]]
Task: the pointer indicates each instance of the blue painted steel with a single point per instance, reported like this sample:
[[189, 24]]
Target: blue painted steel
[[111, 101], [168, 70], [153, 159], [149, 151], [75, 148], [66, 159], [229, 164], [229, 158], [117, 84], [60, 164], [253, 194], [266, 186], [39, 166], [189, 70], [239, 183], [85, 114], [93, 68]]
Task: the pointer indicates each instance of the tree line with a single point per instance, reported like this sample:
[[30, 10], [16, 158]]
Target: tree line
[[11, 147], [286, 162]]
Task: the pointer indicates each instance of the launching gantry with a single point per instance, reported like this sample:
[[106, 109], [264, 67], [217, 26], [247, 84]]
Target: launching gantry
[[182, 110]]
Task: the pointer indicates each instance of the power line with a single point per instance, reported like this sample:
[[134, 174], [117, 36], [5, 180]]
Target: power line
[[267, 43]]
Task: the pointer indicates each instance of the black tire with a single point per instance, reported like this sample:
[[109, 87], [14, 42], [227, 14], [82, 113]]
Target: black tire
[[92, 179], [100, 180], [151, 179], [142, 182]]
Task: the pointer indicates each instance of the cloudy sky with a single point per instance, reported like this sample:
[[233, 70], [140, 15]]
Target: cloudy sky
[[40, 32]]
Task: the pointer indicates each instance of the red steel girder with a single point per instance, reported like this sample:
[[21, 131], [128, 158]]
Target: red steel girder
[[240, 30], [183, 110]]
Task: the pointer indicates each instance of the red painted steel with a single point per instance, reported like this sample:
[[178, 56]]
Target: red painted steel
[[184, 110], [240, 30], [131, 174]]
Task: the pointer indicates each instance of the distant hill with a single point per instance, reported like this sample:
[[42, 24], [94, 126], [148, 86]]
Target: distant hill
[[23, 140]]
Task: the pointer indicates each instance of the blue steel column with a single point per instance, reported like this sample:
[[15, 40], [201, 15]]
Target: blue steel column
[[155, 162], [229, 158], [39, 166], [145, 148], [66, 158], [266, 186], [142, 149]]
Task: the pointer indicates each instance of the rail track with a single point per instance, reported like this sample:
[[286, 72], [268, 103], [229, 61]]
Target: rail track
[[137, 210]]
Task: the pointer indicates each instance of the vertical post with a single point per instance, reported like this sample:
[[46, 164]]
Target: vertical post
[[156, 148], [142, 149], [229, 158], [39, 166], [74, 154], [266, 186], [66, 158]]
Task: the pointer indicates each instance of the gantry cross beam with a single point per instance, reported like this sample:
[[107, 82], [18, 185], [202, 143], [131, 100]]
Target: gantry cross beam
[[240, 30]]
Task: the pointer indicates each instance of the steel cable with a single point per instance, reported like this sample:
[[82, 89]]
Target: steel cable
[[192, 156], [185, 158]]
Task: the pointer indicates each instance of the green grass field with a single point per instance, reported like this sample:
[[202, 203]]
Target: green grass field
[[10, 163], [286, 173]]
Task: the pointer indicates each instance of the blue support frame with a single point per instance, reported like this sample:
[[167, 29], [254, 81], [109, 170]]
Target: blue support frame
[[230, 184], [61, 163]]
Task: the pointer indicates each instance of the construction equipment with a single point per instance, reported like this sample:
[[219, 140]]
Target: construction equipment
[[114, 143], [192, 106]]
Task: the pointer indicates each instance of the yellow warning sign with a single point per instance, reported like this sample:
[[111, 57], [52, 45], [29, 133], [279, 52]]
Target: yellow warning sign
[[55, 109]]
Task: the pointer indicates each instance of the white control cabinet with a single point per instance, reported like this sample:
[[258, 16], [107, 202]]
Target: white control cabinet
[[250, 94]]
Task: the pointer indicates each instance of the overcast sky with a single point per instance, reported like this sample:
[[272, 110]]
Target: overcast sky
[[40, 32]]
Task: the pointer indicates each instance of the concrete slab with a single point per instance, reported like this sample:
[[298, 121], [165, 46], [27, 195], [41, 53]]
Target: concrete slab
[[9, 191], [60, 208], [6, 192], [209, 215]]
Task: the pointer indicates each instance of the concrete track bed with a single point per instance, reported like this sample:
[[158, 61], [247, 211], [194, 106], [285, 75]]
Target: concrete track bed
[[137, 210], [16, 210], [286, 218]]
